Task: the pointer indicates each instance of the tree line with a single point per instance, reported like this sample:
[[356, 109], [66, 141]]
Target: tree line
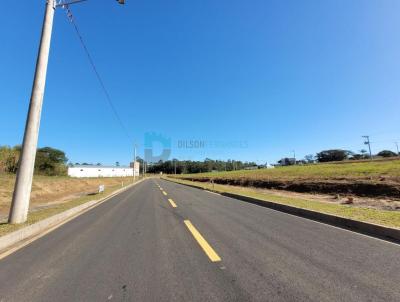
[[335, 155], [49, 161], [188, 166], [52, 162]]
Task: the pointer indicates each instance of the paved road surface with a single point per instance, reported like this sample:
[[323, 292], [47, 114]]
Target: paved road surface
[[138, 247]]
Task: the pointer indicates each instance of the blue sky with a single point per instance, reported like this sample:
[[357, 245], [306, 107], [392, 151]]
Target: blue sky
[[272, 75]]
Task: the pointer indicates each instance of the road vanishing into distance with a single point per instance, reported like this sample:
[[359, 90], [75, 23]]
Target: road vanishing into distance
[[161, 241]]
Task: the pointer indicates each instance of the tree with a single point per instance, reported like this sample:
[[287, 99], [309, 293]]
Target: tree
[[386, 153], [309, 158], [117, 163], [9, 157], [333, 155], [50, 161]]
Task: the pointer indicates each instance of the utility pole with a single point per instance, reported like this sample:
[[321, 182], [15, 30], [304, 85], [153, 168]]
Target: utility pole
[[397, 148], [23, 184], [367, 142], [294, 156], [175, 166], [134, 162]]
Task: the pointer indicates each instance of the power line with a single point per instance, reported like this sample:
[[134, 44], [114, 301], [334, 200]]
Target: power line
[[91, 61]]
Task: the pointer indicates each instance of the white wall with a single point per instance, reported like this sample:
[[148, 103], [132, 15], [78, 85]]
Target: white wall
[[99, 171]]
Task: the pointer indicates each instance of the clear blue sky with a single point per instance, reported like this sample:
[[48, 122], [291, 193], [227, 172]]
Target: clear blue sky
[[277, 75]]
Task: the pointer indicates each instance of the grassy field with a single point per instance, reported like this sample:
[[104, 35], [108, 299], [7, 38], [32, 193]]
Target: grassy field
[[381, 217], [51, 191], [375, 170], [379, 178]]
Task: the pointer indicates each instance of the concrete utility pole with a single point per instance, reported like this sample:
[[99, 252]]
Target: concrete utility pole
[[175, 166], [294, 156], [134, 162], [23, 184], [397, 148], [367, 142]]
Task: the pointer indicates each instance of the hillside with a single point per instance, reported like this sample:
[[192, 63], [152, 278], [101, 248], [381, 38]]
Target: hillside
[[52, 190], [375, 179]]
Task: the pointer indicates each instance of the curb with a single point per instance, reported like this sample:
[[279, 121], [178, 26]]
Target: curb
[[373, 230], [9, 240]]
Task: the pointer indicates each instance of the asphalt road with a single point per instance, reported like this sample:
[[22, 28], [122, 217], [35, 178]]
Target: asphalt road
[[139, 247]]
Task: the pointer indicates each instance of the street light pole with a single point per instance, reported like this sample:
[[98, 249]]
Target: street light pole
[[23, 184]]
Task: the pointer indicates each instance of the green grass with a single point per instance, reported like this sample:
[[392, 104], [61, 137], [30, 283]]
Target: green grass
[[367, 170], [41, 214], [381, 217]]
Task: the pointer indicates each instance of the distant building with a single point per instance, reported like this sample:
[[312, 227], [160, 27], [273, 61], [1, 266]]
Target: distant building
[[287, 161], [136, 167], [100, 171]]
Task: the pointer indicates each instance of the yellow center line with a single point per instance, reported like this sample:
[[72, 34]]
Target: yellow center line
[[202, 242], [173, 204], [165, 193]]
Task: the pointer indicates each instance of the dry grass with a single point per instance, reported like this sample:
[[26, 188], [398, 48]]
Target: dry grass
[[45, 212], [54, 190]]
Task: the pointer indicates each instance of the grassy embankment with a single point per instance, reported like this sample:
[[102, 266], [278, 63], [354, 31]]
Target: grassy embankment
[[386, 172], [381, 217], [364, 170], [371, 179], [52, 195]]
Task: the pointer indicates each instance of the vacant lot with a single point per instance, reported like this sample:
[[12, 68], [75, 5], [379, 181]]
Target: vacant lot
[[371, 179], [48, 191]]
